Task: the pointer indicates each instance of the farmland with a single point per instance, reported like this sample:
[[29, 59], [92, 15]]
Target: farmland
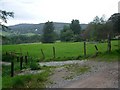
[[61, 53], [63, 50]]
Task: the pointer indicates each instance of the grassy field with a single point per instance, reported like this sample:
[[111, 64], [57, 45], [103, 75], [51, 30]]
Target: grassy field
[[63, 50]]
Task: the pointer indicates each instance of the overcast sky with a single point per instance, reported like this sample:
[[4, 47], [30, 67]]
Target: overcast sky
[[40, 11]]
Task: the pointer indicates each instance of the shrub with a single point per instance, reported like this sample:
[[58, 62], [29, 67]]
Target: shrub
[[34, 66]]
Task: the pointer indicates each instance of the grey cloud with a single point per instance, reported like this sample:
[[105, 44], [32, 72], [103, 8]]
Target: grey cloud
[[20, 12]]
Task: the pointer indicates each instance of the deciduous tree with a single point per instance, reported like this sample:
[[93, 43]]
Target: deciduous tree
[[75, 26], [66, 34], [48, 33], [3, 18]]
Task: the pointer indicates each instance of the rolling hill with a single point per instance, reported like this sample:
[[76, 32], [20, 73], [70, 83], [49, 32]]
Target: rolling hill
[[37, 28]]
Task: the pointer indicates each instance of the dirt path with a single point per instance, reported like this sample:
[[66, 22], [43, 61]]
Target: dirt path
[[101, 75], [108, 78], [5, 63], [60, 63]]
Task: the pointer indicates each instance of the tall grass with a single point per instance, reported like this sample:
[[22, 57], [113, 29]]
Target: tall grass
[[27, 81]]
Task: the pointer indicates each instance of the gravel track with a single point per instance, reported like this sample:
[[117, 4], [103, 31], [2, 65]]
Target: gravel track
[[60, 63], [101, 75]]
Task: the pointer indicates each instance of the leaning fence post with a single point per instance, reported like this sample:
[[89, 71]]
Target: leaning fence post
[[42, 54], [53, 52], [84, 48], [96, 50]]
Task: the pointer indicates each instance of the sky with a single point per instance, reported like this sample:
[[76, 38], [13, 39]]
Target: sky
[[40, 11]]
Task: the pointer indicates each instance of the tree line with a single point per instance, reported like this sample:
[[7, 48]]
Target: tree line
[[97, 30], [18, 39], [69, 33]]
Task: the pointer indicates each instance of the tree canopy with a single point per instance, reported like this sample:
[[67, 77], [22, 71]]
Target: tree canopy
[[97, 30], [3, 17], [66, 34], [48, 33], [75, 26], [115, 22]]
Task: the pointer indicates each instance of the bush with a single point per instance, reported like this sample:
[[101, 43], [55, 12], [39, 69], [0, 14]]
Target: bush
[[6, 70], [34, 66]]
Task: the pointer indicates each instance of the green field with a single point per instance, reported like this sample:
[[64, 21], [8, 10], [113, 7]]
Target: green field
[[63, 50]]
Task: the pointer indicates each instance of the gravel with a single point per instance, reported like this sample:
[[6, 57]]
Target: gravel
[[5, 63], [28, 71], [61, 63], [107, 71]]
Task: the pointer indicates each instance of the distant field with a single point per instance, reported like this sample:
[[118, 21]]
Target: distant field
[[30, 34], [62, 49], [5, 33], [10, 34]]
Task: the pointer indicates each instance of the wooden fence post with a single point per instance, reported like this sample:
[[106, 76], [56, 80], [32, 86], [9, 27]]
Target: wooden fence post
[[12, 68], [21, 61], [42, 54], [26, 59], [84, 48], [109, 44], [12, 64], [53, 52]]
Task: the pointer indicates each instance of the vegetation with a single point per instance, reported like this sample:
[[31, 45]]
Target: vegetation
[[66, 34], [71, 32], [111, 57], [3, 17], [48, 33], [70, 49], [115, 21], [37, 28], [99, 28], [64, 51], [26, 81], [18, 39], [34, 66], [75, 26], [38, 80]]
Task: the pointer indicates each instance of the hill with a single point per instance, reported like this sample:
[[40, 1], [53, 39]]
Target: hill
[[37, 28]]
